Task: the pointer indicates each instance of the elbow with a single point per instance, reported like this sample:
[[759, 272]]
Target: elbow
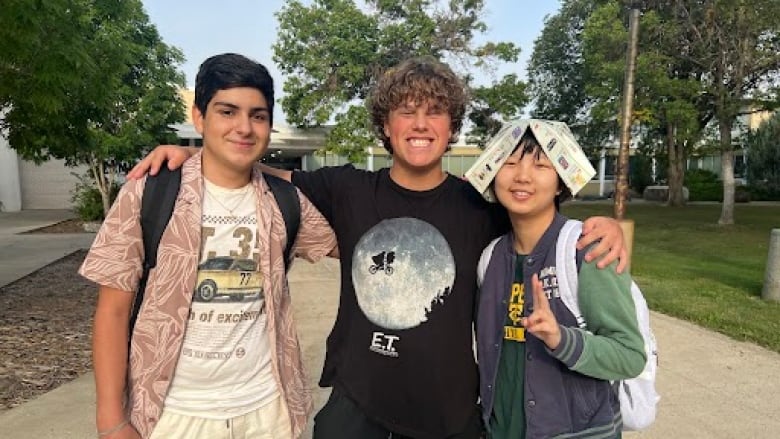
[[636, 364]]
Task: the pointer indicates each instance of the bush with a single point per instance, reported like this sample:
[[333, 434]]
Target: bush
[[640, 173], [764, 191], [703, 185], [87, 202]]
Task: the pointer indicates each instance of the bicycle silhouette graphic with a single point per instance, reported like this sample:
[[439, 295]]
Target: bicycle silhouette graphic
[[382, 262]]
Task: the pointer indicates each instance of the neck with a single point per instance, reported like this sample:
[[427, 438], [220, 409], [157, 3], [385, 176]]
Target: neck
[[528, 230], [223, 176], [414, 180]]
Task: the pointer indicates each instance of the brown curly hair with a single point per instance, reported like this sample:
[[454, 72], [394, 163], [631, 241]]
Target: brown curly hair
[[420, 79]]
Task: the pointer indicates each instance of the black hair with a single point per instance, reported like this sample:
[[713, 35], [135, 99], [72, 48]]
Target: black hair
[[230, 70], [529, 145]]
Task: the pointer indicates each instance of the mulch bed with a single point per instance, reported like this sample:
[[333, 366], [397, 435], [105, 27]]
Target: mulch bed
[[45, 327], [67, 226]]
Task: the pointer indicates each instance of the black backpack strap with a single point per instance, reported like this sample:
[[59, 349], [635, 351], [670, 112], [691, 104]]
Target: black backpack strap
[[289, 204], [157, 204]]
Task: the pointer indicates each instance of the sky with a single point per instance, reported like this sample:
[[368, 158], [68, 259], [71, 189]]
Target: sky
[[202, 28]]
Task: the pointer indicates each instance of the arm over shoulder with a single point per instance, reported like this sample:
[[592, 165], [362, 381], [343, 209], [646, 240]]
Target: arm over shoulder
[[315, 236]]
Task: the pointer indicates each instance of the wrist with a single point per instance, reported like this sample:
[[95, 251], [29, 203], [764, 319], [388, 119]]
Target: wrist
[[553, 340], [115, 429], [108, 417]]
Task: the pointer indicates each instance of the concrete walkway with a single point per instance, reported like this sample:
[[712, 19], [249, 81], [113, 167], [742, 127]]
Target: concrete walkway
[[711, 386]]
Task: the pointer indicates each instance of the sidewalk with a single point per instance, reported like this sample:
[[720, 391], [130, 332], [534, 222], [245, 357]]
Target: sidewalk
[[711, 386], [20, 254]]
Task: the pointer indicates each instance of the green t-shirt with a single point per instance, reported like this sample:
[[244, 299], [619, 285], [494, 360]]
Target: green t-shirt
[[508, 417]]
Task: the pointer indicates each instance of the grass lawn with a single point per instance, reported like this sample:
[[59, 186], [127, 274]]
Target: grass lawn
[[689, 267]]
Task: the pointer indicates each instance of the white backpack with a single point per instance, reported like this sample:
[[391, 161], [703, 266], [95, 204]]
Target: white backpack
[[638, 397]]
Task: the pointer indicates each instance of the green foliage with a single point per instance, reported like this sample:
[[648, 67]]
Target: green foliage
[[332, 51], [504, 98], [720, 291], [763, 154], [762, 191], [87, 200], [90, 82], [640, 173], [703, 185]]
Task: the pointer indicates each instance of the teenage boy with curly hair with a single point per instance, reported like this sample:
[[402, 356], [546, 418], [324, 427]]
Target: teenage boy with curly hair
[[399, 357]]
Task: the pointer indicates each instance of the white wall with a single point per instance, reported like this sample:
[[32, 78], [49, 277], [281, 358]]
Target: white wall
[[48, 185], [10, 191]]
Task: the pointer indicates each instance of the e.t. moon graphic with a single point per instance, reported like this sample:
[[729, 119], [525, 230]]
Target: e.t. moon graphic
[[401, 268]]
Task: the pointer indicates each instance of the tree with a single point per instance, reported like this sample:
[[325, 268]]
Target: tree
[[590, 37], [332, 51], [557, 76], [763, 155], [738, 43], [117, 98]]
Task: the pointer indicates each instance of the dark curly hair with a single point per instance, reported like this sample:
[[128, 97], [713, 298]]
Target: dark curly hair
[[420, 79]]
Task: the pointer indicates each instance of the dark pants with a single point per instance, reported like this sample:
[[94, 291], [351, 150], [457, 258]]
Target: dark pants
[[340, 418]]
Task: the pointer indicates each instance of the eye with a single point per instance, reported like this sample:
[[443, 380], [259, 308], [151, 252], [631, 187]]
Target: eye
[[227, 112], [260, 117]]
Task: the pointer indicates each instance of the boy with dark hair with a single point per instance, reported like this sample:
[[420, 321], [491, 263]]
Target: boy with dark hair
[[399, 357], [544, 373], [213, 353]]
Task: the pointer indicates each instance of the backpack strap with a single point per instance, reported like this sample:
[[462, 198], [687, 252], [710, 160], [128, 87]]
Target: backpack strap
[[568, 261], [157, 204], [484, 260], [290, 205]]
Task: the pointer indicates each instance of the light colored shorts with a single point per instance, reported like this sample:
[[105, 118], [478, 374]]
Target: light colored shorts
[[271, 421]]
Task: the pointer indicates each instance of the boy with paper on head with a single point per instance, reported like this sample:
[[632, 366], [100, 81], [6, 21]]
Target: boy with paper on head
[[542, 373]]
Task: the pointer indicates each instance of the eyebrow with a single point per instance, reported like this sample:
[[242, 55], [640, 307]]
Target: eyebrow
[[236, 107]]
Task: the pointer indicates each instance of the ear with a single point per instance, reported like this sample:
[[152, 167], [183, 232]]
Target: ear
[[386, 130], [197, 119]]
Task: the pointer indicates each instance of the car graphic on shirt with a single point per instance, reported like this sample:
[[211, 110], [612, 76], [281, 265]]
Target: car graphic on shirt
[[226, 276]]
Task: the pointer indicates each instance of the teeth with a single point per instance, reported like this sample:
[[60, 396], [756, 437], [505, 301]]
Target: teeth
[[419, 142]]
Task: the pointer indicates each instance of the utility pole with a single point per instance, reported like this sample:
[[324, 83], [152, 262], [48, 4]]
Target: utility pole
[[621, 184]]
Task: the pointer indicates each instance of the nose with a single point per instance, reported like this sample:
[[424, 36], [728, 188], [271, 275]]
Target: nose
[[420, 120], [523, 171], [243, 125]]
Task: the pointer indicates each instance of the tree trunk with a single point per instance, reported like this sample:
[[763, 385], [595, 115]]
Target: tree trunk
[[727, 167], [676, 172], [621, 183], [102, 183]]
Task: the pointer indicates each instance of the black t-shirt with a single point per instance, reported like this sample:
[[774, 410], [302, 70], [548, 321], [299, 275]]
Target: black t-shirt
[[401, 346]]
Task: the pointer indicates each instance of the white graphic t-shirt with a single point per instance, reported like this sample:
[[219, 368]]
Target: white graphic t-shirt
[[224, 369]]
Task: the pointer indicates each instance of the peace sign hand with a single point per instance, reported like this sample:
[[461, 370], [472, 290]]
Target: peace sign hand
[[542, 322]]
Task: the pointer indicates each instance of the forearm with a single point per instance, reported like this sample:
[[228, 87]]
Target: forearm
[[281, 173], [110, 359], [613, 349]]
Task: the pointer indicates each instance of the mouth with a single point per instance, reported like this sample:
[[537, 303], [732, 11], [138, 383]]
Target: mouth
[[520, 195], [243, 144], [419, 143]]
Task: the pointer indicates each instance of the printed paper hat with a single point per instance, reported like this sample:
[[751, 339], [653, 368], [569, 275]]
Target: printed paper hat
[[557, 142]]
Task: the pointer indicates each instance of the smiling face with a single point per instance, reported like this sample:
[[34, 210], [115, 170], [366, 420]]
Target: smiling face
[[236, 130], [527, 184], [419, 135]]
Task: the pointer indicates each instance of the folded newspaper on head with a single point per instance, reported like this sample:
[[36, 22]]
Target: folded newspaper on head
[[557, 142]]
